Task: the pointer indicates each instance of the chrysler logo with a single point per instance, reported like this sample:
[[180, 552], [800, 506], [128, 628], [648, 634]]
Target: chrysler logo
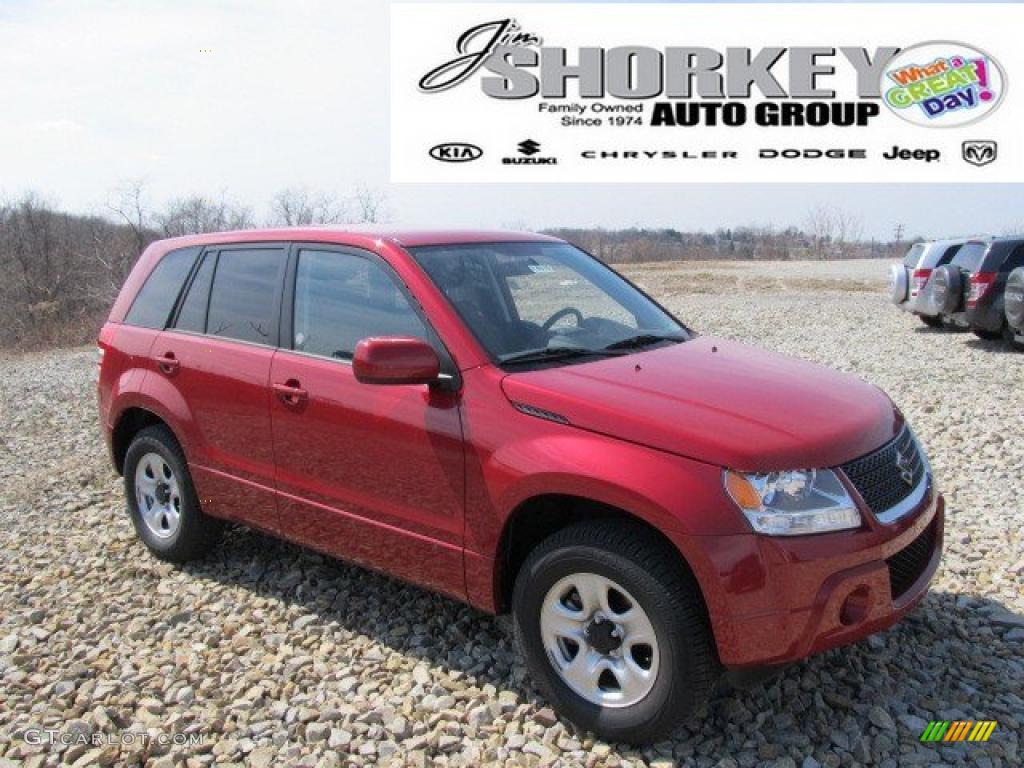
[[906, 468]]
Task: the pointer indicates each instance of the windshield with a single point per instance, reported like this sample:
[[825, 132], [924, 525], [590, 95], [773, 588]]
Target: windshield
[[913, 255], [969, 257], [544, 301]]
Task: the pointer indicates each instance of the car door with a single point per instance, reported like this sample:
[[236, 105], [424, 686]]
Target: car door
[[373, 474], [212, 366]]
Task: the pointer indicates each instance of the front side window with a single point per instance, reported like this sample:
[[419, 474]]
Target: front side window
[[243, 299], [155, 300], [342, 298], [521, 300]]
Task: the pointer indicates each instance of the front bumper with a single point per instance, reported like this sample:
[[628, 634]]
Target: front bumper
[[777, 600]]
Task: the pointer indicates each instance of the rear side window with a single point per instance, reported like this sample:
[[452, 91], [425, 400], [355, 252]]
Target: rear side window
[[948, 255], [155, 300], [1014, 260], [192, 315], [341, 298], [244, 296]]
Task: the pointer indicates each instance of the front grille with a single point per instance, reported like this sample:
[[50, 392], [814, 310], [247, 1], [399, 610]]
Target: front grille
[[879, 478], [909, 563]]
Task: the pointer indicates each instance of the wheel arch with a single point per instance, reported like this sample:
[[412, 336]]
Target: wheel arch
[[542, 515], [129, 423]]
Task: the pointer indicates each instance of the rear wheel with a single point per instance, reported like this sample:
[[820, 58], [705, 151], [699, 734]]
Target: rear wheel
[[613, 631], [162, 501], [931, 321]]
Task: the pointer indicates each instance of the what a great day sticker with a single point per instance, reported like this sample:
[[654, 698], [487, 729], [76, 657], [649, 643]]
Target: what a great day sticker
[[942, 84]]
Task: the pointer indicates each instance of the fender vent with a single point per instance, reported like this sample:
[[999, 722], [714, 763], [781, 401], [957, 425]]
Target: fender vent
[[540, 413]]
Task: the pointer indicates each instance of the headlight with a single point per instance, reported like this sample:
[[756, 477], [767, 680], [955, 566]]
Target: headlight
[[793, 503]]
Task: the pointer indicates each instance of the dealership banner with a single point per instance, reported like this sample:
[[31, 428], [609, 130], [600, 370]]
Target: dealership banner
[[576, 92]]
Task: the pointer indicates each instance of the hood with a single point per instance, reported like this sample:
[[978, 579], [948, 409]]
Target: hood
[[719, 402]]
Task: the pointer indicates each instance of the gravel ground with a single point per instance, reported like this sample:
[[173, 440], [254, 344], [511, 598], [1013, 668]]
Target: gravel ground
[[276, 656]]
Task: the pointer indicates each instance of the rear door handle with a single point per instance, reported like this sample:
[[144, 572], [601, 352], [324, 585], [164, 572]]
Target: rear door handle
[[167, 363], [290, 393]]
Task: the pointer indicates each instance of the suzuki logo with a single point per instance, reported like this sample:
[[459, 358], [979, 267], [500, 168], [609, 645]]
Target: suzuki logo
[[906, 468], [529, 147], [979, 152]]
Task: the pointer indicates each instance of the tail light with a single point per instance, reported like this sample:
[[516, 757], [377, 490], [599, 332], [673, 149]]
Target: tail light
[[981, 283], [919, 280]]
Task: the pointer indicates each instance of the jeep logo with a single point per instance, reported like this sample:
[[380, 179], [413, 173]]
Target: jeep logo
[[456, 152]]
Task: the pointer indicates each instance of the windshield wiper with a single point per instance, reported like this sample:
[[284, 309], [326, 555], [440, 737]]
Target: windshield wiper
[[642, 340], [555, 353]]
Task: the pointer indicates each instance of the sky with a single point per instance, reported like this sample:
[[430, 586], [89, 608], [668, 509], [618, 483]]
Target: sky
[[242, 98]]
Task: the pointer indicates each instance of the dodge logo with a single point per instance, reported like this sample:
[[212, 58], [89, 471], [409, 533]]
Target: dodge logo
[[979, 152]]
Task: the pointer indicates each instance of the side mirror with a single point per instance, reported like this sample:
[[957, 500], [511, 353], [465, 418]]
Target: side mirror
[[395, 360]]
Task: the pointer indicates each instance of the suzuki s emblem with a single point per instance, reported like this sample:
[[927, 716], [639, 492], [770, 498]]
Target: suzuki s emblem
[[906, 468]]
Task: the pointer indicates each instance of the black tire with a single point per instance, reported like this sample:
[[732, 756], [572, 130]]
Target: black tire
[[196, 532], [653, 573], [987, 335], [930, 321], [1013, 299]]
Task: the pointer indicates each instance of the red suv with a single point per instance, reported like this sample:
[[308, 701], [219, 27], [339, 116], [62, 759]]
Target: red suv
[[504, 419]]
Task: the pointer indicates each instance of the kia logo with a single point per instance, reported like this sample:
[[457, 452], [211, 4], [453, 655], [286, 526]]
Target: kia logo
[[456, 152]]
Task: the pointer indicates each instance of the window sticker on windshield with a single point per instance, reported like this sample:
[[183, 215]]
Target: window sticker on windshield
[[541, 268]]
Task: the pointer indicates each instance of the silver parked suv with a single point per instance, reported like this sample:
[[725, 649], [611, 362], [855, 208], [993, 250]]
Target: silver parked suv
[[909, 279]]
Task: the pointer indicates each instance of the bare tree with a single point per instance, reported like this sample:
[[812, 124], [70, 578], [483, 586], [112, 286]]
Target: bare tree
[[370, 205], [196, 215], [849, 232], [128, 203], [821, 228], [301, 206]]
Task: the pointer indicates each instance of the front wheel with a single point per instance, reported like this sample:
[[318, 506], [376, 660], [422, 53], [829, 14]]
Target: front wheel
[[162, 501], [613, 630]]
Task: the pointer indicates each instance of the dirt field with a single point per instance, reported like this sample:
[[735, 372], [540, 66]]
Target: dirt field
[[271, 655]]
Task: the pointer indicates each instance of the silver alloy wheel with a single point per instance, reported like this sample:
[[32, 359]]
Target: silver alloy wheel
[[158, 495], [599, 640]]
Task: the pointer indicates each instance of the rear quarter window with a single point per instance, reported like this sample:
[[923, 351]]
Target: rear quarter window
[[969, 257], [913, 255], [155, 300]]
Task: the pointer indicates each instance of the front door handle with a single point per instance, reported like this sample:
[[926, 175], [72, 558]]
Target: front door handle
[[290, 393], [167, 363]]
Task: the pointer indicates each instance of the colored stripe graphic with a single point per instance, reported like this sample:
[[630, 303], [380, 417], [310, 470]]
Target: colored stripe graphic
[[935, 730], [958, 730]]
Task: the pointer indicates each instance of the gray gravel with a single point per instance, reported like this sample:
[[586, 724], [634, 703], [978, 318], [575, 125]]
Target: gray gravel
[[276, 656]]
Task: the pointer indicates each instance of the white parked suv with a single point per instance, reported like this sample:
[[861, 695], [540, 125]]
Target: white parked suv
[[908, 280]]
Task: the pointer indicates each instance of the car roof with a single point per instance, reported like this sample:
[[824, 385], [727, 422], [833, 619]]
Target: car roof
[[335, 234]]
